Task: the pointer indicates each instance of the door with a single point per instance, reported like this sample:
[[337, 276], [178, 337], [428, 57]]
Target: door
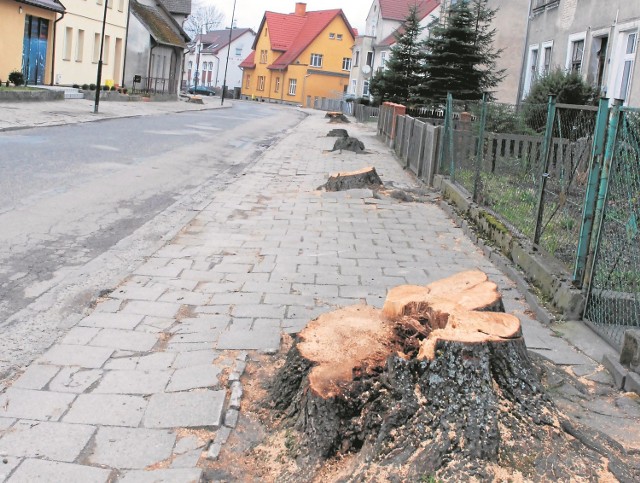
[[34, 51]]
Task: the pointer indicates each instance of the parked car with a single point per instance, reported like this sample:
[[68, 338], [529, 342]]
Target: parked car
[[202, 90]]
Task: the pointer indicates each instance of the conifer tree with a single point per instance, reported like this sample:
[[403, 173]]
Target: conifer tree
[[406, 64], [460, 56]]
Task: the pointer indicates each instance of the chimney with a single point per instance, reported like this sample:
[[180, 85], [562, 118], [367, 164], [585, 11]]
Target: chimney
[[301, 9]]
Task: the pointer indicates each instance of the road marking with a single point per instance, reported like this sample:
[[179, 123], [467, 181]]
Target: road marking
[[203, 127], [104, 147]]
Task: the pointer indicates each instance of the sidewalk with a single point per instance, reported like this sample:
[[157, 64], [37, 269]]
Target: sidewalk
[[22, 115], [149, 385]]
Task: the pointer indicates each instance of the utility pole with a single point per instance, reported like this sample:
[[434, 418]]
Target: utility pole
[[99, 79], [224, 82]]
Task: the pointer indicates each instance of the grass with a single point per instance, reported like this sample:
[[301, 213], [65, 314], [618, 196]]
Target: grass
[[513, 196]]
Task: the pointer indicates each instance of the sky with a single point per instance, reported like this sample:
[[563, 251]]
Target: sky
[[249, 13]]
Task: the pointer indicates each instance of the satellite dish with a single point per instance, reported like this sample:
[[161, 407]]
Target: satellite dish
[[366, 69]]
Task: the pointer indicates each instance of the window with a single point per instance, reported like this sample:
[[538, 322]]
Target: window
[[346, 63], [109, 3], [630, 46], [316, 60], [332, 35], [107, 45], [238, 51], [277, 87], [531, 73], [68, 35], [354, 85], [370, 59], [365, 88], [260, 82], [190, 65], [383, 59], [292, 87], [601, 62], [339, 36], [546, 59], [533, 65], [356, 58], [247, 81], [121, 5], [80, 46], [577, 51], [96, 48], [263, 56]]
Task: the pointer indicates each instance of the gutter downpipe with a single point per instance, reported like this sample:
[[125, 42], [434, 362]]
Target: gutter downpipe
[[525, 52], [126, 42], [53, 52]]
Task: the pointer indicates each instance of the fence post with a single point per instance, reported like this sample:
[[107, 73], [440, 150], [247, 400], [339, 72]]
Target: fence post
[[595, 168], [546, 157], [480, 148], [603, 191], [447, 138]]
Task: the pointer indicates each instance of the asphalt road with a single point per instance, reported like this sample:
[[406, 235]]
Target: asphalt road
[[81, 205]]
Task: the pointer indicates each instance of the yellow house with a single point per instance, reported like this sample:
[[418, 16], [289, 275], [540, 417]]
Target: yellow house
[[300, 57], [27, 35]]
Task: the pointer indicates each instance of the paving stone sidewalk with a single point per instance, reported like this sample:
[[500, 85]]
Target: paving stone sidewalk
[[148, 386]]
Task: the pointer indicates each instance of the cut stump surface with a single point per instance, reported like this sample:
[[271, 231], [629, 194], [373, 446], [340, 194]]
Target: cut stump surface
[[362, 178]]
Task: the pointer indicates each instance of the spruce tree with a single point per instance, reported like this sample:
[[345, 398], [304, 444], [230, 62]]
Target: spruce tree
[[405, 67], [460, 56]]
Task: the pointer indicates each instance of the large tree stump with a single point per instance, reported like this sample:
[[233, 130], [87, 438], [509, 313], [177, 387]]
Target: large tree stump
[[438, 383], [348, 180], [348, 144]]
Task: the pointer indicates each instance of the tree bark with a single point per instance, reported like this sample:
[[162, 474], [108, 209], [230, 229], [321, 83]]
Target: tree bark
[[436, 383]]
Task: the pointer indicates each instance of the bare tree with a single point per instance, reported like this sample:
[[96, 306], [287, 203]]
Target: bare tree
[[204, 17]]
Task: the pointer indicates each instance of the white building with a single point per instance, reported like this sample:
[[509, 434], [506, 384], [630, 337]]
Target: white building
[[207, 57], [373, 47]]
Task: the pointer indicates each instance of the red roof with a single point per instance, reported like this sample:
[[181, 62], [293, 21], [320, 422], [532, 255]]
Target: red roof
[[399, 9], [425, 8], [292, 34], [250, 61]]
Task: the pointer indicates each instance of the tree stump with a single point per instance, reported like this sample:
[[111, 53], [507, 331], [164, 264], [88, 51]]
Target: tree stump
[[348, 144], [363, 178], [338, 133], [337, 117], [438, 382]]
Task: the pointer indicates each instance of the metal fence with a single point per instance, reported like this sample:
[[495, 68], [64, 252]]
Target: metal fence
[[333, 105], [613, 302], [527, 165], [155, 85], [565, 177], [364, 113]]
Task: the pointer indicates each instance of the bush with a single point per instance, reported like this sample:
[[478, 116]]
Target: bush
[[569, 87], [124, 90], [105, 88], [113, 88], [92, 87], [85, 87], [76, 86], [16, 77]]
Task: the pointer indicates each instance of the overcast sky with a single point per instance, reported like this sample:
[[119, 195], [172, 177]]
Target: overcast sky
[[249, 12]]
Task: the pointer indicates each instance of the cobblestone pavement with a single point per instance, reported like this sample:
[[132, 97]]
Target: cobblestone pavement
[[147, 387]]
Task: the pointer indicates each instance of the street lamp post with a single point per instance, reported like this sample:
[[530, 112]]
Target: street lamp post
[[195, 80], [99, 79], [224, 82]]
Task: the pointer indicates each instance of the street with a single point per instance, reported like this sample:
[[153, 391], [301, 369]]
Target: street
[[80, 205]]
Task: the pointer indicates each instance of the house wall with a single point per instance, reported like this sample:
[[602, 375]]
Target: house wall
[[79, 66], [12, 35], [561, 23], [138, 51], [510, 23]]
